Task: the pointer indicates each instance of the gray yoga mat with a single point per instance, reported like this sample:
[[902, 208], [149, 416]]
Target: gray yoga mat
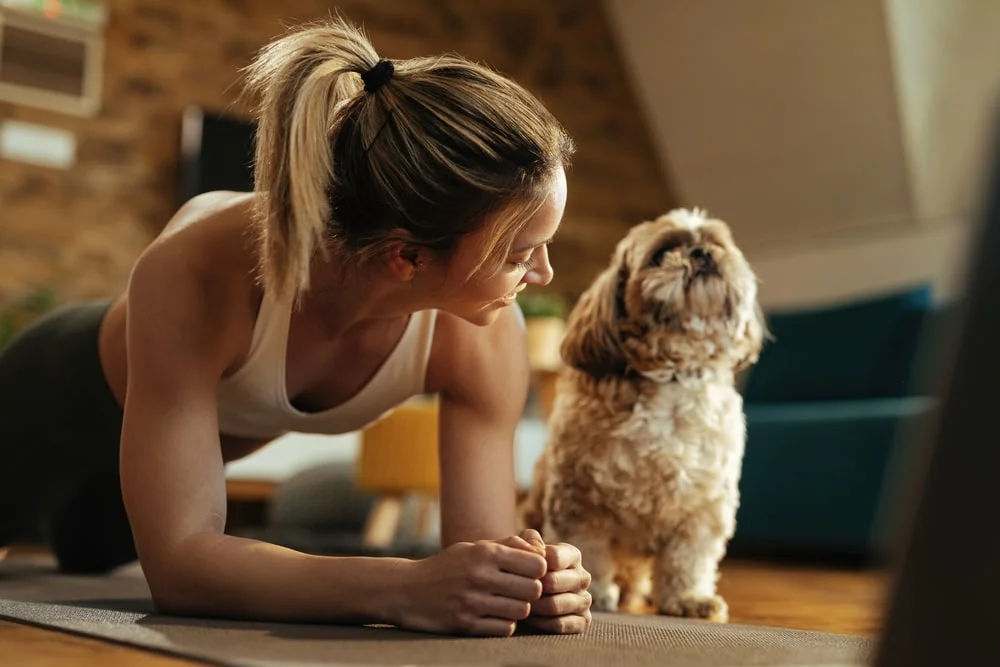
[[117, 608]]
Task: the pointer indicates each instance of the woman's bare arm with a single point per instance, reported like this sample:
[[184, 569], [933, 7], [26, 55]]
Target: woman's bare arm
[[179, 343], [481, 404]]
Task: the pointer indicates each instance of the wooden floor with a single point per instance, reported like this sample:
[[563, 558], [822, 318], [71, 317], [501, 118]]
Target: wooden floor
[[780, 595], [847, 601]]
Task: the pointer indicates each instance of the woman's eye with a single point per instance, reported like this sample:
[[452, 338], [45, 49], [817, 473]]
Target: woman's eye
[[524, 264]]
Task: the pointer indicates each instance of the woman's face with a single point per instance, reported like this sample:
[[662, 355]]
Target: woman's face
[[480, 300]]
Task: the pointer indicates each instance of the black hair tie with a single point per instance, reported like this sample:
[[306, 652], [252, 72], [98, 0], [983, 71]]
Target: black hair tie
[[378, 75]]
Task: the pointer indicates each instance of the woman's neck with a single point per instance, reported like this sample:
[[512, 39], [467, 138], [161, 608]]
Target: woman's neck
[[342, 299]]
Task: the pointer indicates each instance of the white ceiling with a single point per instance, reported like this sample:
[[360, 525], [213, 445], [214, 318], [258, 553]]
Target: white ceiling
[[799, 121]]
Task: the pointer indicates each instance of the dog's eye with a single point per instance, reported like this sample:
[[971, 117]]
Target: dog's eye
[[669, 242], [662, 251]]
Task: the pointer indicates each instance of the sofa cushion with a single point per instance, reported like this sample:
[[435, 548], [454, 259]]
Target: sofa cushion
[[817, 477], [831, 412], [862, 349]]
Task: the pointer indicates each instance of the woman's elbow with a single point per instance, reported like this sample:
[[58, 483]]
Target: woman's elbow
[[171, 594], [174, 573], [172, 586]]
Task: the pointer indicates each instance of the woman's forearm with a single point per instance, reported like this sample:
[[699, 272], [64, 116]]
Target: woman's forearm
[[456, 527], [223, 575]]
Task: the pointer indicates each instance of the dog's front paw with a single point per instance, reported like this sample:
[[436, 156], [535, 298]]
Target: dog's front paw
[[604, 596], [712, 608]]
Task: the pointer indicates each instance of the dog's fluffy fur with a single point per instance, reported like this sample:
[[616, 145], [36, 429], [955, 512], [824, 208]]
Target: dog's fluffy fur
[[642, 466]]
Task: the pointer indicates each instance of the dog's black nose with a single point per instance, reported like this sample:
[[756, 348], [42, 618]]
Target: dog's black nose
[[701, 259]]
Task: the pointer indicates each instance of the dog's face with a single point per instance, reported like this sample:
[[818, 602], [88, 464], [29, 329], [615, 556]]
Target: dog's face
[[678, 297]]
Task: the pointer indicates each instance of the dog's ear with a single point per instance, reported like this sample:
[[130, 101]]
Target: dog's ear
[[592, 342], [750, 344]]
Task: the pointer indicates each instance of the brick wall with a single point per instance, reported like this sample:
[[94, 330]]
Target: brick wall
[[80, 230]]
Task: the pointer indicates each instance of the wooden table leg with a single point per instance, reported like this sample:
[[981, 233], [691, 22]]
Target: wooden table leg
[[425, 516], [383, 522]]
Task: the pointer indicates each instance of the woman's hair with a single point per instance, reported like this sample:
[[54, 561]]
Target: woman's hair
[[421, 151]]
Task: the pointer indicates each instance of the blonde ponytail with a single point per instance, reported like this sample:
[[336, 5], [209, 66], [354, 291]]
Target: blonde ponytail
[[301, 86]]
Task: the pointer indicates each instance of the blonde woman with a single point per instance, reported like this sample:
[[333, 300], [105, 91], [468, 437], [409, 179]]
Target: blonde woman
[[399, 208]]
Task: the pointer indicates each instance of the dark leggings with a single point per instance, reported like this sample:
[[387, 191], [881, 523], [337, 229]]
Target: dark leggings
[[60, 427]]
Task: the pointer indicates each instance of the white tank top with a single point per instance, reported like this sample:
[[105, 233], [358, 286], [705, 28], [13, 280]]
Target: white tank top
[[254, 403]]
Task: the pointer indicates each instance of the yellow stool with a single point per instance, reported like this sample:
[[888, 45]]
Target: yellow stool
[[398, 458]]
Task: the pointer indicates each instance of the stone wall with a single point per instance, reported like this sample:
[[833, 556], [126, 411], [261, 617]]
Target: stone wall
[[79, 230]]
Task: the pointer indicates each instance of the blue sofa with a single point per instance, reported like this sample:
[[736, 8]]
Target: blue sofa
[[829, 407]]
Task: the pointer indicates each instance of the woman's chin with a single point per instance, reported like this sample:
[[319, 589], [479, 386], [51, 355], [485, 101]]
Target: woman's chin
[[485, 315], [486, 318]]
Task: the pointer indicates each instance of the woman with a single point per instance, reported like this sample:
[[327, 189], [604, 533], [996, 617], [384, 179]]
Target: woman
[[395, 218]]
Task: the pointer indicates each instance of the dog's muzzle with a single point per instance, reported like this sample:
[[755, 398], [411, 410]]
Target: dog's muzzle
[[702, 262]]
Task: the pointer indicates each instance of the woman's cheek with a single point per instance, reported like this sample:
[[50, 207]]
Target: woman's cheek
[[502, 285]]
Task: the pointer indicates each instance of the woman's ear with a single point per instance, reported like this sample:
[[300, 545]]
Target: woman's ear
[[404, 259]]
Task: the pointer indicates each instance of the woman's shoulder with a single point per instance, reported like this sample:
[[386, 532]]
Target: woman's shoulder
[[203, 262], [211, 216], [462, 351], [210, 236]]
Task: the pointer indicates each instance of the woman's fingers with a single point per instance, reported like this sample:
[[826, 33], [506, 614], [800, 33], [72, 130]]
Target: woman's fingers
[[563, 625], [532, 537], [513, 586], [557, 556], [519, 542], [484, 605], [525, 562], [563, 604], [566, 581], [491, 627], [562, 556]]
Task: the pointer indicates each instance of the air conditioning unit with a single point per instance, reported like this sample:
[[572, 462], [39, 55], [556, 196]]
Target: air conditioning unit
[[52, 53]]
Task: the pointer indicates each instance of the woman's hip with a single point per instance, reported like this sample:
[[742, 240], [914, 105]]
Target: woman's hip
[[57, 413]]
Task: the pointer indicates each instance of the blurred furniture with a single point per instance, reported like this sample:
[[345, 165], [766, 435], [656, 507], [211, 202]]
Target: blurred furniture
[[247, 502], [250, 490], [398, 458], [544, 382], [545, 328], [543, 336], [826, 406]]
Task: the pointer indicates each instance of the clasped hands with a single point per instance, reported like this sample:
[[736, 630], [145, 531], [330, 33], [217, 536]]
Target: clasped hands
[[564, 607], [487, 588]]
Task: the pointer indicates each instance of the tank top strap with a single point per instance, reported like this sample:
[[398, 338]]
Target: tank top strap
[[270, 335]]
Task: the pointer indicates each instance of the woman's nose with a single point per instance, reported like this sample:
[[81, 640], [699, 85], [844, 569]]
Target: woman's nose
[[542, 273]]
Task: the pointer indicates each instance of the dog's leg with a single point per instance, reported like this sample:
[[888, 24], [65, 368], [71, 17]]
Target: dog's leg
[[634, 576], [598, 560], [685, 572]]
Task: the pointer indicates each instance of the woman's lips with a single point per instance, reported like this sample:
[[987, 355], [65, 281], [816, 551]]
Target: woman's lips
[[508, 299]]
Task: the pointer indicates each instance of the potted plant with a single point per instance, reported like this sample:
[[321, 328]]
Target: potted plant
[[545, 317]]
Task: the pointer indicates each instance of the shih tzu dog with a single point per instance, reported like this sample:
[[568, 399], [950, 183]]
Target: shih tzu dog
[[643, 461]]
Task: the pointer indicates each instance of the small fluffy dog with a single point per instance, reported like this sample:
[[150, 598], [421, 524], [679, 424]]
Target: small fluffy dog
[[642, 466]]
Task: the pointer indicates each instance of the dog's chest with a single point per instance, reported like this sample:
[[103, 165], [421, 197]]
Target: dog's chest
[[678, 446]]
